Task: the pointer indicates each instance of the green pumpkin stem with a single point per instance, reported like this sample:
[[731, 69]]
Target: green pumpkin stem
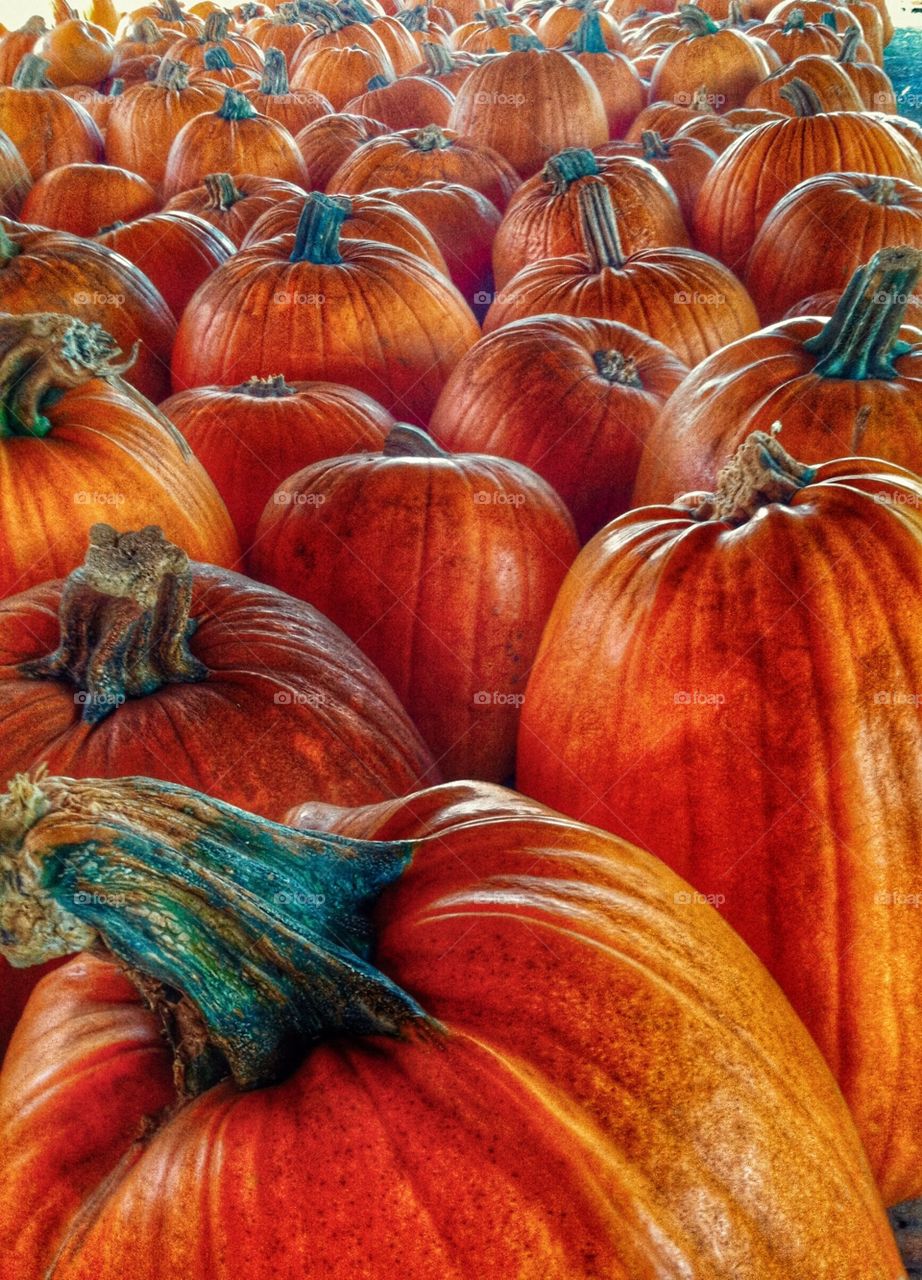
[[172, 75], [525, 44], [882, 191], [217, 25], [415, 19], [274, 388], [497, 17], [377, 82], [796, 22], [568, 166], [42, 355], [589, 36], [248, 939], [439, 60], [404, 441], [125, 622], [236, 106], [355, 11], [803, 98], [275, 74], [654, 147], [116, 88], [599, 224], [218, 59], [30, 73], [759, 474], [317, 236], [848, 53], [697, 21], [861, 338], [430, 138], [223, 192]]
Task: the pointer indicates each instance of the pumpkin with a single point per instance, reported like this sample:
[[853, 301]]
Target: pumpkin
[[77, 52], [683, 162], [720, 132], [397, 42], [251, 437], [455, 639], [462, 223], [857, 213], [665, 118], [220, 69], [416, 21], [408, 103], [833, 88], [367, 217], [842, 385], [414, 156], [46, 127], [43, 270], [447, 67], [143, 38], [370, 315], [571, 397], [755, 730], [96, 104], [192, 50], [559, 23], [147, 117], [276, 100], [81, 198], [283, 29], [235, 139], [329, 141], [544, 217], [689, 302], [14, 178], [792, 36], [620, 87], [723, 59], [825, 302], [234, 203], [874, 86], [529, 105], [492, 31], [752, 176], [168, 14], [14, 45], [340, 74], [78, 444], [460, 973], [176, 251]]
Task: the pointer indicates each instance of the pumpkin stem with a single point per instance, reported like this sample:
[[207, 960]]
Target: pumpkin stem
[[654, 146], [415, 19], [218, 59], [439, 61], [404, 441], [355, 11], [861, 340], [273, 388], [223, 193], [906, 1223], [697, 21], [116, 88], [30, 74], [236, 106], [599, 226], [735, 16], [249, 10], [275, 74], [125, 622], [217, 25], [430, 138], [497, 17], [525, 44], [171, 11], [617, 368], [34, 26], [569, 166], [43, 355], [882, 191], [803, 98], [588, 36], [760, 473], [144, 32], [172, 75], [848, 53], [377, 82], [317, 236], [248, 939], [796, 22]]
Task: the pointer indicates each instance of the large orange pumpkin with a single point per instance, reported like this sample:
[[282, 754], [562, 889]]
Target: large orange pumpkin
[[732, 679], [833, 87], [47, 128], [571, 397], [77, 446], [339, 74], [409, 102], [442, 568], [77, 52], [82, 198], [721, 58], [844, 385], [534, 1054], [620, 87], [193, 50], [253, 437], [370, 315]]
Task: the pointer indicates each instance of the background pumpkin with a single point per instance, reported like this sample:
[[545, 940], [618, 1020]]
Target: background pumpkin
[[406, 103], [14, 178], [326, 143], [684, 163], [14, 45], [46, 127], [833, 88], [722, 59], [276, 100], [82, 198], [233, 203], [339, 74], [620, 87], [77, 52]]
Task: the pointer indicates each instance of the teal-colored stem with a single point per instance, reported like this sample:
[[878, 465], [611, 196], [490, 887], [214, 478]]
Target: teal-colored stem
[[116, 88], [248, 938], [30, 73], [848, 53], [697, 21], [236, 106], [415, 19], [275, 74], [377, 82], [317, 236], [217, 25], [568, 166], [588, 36], [861, 338], [406, 441], [525, 44], [218, 59], [355, 11], [795, 22]]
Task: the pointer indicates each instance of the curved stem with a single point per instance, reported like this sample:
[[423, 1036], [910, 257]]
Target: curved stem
[[218, 59], [497, 17], [735, 17], [568, 166], [404, 441], [274, 388], [236, 106], [173, 75], [145, 32], [125, 622], [654, 147], [248, 939], [275, 74], [882, 191], [803, 98], [617, 368], [697, 21], [439, 61], [355, 11], [759, 474], [30, 74], [861, 338], [415, 19], [796, 21], [599, 226], [377, 82], [223, 193], [217, 25], [317, 236], [848, 53]]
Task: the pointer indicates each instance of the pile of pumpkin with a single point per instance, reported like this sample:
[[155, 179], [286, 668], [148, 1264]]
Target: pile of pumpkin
[[399, 406]]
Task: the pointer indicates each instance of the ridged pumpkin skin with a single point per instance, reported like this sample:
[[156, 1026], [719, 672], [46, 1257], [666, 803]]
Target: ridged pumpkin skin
[[77, 52], [442, 567], [253, 437], [14, 178], [84, 198], [712, 688], [370, 315], [722, 59], [407, 103], [594, 1019], [48, 128], [329, 141], [824, 76], [339, 74], [683, 162], [572, 398], [858, 213], [233, 203]]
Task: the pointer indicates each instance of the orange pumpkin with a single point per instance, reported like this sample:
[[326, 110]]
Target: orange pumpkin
[[234, 203], [511, 948], [46, 127], [620, 87], [283, 29], [666, 118], [77, 52], [79, 446], [408, 103], [571, 397], [82, 198], [559, 23], [447, 67], [329, 141], [14, 45], [833, 88], [192, 50], [720, 132], [340, 74], [491, 31], [793, 36], [874, 86], [722, 59], [682, 161], [14, 178], [370, 315], [275, 98]]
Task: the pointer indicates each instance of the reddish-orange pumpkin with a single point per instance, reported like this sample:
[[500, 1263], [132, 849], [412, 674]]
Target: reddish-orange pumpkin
[[77, 52], [192, 50], [252, 437], [720, 132], [14, 178], [370, 315], [234, 203], [572, 398], [722, 59], [874, 86], [329, 141], [83, 198], [442, 568], [691, 303], [408, 103], [447, 67], [793, 36], [276, 99], [683, 162], [732, 679], [47, 128], [14, 45], [620, 87], [339, 74], [578, 997], [543, 219], [666, 118], [833, 88]]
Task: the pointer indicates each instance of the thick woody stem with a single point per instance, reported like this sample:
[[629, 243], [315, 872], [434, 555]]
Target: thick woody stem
[[759, 474]]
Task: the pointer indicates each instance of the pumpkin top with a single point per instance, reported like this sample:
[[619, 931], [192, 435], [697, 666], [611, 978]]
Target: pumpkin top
[[759, 474], [567, 166], [318, 231], [589, 36], [236, 106], [697, 21]]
